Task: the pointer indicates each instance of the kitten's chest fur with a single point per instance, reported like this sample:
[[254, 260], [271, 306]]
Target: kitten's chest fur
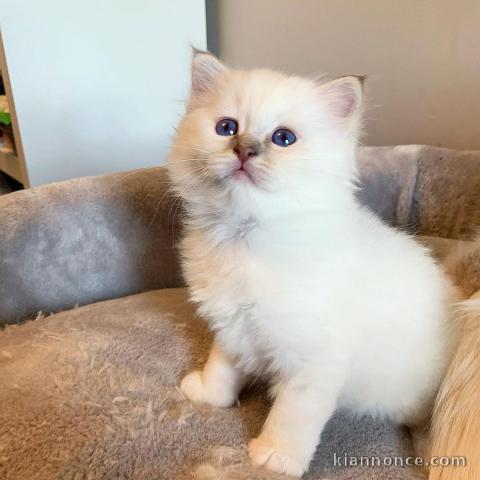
[[223, 275], [221, 282], [250, 296]]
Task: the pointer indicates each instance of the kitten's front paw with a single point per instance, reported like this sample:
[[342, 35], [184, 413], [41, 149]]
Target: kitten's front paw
[[192, 386], [267, 454], [195, 389]]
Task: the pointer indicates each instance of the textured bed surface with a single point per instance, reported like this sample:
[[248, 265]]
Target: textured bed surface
[[92, 393]]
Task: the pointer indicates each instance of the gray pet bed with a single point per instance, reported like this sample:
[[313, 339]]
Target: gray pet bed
[[91, 392]]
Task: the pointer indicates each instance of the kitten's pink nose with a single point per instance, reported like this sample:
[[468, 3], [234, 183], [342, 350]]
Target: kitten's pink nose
[[244, 152]]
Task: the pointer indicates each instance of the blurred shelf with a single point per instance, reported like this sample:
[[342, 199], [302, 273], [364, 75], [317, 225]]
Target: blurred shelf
[[8, 129], [10, 165], [12, 159]]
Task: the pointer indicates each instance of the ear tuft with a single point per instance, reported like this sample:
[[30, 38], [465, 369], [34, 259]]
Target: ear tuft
[[344, 96], [205, 70], [361, 78]]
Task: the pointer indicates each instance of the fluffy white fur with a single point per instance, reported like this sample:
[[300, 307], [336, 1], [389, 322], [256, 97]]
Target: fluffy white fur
[[300, 283]]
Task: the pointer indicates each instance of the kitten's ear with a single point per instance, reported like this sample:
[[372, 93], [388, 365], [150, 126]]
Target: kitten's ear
[[205, 70], [343, 98]]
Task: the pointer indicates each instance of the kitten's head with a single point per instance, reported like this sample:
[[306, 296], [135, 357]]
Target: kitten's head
[[259, 141]]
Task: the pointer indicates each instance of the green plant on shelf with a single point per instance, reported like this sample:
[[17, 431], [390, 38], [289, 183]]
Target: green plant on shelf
[[5, 118]]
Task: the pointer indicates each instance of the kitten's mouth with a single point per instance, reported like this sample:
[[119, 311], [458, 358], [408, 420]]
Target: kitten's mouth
[[243, 172], [243, 175]]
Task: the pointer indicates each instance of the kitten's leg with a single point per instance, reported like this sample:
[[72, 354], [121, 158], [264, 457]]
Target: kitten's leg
[[219, 383], [292, 430]]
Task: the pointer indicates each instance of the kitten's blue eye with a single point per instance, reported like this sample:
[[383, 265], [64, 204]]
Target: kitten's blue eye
[[283, 137], [226, 127]]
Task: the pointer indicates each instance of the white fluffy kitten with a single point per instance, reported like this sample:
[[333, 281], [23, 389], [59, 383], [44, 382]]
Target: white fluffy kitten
[[297, 280]]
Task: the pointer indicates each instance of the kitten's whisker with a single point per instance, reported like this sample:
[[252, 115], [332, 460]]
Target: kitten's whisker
[[168, 191], [177, 202], [189, 147], [134, 172], [316, 170], [195, 159], [172, 191]]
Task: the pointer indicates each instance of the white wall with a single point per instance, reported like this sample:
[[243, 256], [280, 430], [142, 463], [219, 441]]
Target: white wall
[[98, 84], [422, 57]]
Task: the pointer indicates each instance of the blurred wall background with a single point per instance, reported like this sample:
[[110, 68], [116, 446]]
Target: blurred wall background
[[422, 57], [98, 86]]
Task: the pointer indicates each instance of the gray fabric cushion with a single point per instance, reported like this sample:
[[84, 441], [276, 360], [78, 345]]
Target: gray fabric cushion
[[92, 393], [425, 190], [84, 240], [95, 238], [388, 179], [447, 197]]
